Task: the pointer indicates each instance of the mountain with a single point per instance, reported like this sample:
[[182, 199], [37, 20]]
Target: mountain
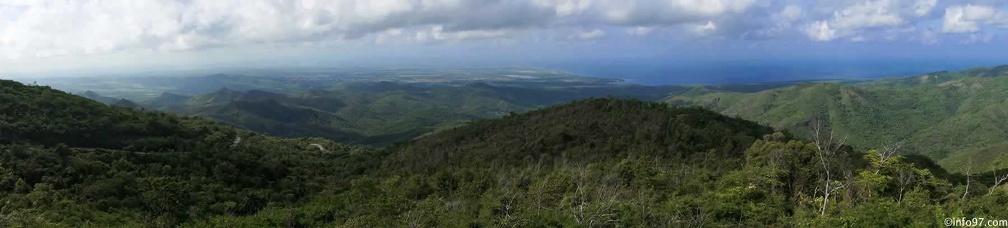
[[612, 162], [932, 118], [222, 95], [940, 78], [583, 131], [68, 161], [123, 103], [594, 162], [167, 100], [381, 113], [98, 97]]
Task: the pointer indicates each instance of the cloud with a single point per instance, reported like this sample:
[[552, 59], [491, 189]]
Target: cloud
[[820, 31], [869, 14], [789, 13], [63, 27], [923, 7], [639, 30], [47, 28], [861, 17], [51, 28], [705, 29], [589, 35], [668, 12], [969, 18]]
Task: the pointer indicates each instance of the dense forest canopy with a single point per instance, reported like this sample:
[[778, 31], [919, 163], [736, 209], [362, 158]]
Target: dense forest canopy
[[70, 161], [931, 113]]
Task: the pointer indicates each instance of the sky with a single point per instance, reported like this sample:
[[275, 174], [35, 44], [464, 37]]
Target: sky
[[69, 37]]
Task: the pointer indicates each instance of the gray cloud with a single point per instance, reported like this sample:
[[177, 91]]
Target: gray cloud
[[47, 28]]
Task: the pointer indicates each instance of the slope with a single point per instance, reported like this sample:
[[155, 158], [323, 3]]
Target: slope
[[622, 163], [962, 116], [384, 112], [66, 161]]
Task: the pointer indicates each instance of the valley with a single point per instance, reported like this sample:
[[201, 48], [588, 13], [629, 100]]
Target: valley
[[927, 113], [372, 107], [589, 162], [932, 114], [503, 113]]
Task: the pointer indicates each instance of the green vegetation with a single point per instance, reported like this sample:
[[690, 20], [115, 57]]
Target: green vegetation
[[605, 162], [951, 118], [69, 161], [379, 113], [940, 78], [66, 161]]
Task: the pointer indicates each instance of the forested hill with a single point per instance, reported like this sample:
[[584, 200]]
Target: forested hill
[[589, 163], [610, 162], [953, 118], [582, 132], [43, 116], [379, 114], [68, 161]]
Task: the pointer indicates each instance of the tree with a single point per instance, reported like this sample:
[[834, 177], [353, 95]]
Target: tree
[[969, 170], [828, 145], [905, 176], [997, 181], [886, 153], [21, 186]]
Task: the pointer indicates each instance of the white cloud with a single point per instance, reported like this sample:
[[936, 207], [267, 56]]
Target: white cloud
[[820, 31], [790, 13], [639, 30], [569, 7], [923, 7], [589, 35], [863, 20], [968, 18], [48, 28], [705, 29], [869, 14], [668, 11]]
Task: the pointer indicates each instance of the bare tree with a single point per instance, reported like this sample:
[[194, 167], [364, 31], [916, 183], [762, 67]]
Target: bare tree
[[969, 170], [887, 153], [905, 177], [593, 208], [508, 183], [692, 217], [997, 181], [414, 218], [828, 145]]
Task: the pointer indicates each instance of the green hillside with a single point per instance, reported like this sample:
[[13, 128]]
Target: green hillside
[[619, 163], [67, 161], [941, 78], [384, 112], [953, 119], [167, 100]]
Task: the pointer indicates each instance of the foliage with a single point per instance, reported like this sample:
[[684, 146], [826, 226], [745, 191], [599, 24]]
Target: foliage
[[381, 113], [69, 161], [932, 116], [589, 163], [604, 162]]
